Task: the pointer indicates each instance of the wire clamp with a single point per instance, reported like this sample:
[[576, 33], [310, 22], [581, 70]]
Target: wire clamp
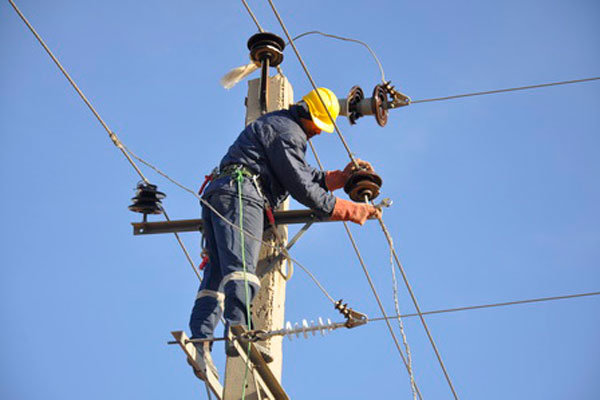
[[353, 318], [398, 99]]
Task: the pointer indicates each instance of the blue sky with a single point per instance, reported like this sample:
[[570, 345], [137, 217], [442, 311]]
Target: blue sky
[[496, 197]]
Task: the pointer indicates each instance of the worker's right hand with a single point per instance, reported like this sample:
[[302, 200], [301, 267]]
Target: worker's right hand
[[358, 213]]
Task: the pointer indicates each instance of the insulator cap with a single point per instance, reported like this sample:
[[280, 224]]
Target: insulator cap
[[363, 184], [266, 45], [380, 104], [147, 199]]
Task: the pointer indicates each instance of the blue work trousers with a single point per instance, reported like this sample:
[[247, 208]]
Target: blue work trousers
[[224, 283]]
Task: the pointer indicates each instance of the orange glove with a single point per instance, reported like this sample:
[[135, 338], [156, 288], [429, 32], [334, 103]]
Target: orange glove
[[358, 213], [337, 179]]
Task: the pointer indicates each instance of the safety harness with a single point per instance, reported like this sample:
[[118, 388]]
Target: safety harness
[[236, 172]]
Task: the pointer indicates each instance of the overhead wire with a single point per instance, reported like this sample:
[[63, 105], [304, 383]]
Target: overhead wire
[[349, 233], [489, 305], [442, 365], [388, 237], [347, 39], [401, 325], [457, 96], [124, 150], [252, 16], [513, 89], [114, 138], [111, 134], [234, 226]]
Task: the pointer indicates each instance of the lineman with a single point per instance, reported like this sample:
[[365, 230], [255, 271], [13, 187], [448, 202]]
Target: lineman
[[262, 167]]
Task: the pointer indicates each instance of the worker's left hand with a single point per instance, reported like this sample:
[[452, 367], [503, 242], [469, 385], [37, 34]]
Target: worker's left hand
[[337, 179]]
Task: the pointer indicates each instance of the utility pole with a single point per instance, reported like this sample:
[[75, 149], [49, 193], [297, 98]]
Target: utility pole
[[269, 305]]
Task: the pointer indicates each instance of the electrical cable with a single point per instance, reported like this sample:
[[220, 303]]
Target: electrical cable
[[401, 326], [450, 310], [252, 16], [416, 304], [357, 251], [111, 134], [541, 85], [234, 226], [380, 219], [490, 305], [314, 85], [347, 39]]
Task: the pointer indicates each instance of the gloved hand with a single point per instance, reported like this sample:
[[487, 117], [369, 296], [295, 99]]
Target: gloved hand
[[358, 213], [337, 179]]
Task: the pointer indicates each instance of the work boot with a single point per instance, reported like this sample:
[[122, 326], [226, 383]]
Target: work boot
[[204, 361], [231, 351]]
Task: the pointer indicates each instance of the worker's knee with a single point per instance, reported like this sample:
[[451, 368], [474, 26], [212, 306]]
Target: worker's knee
[[240, 285]]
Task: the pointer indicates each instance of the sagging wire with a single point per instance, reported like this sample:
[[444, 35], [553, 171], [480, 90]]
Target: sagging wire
[[284, 252], [113, 137], [314, 85], [347, 39]]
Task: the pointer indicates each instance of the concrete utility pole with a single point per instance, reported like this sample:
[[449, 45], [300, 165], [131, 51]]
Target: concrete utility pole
[[269, 305]]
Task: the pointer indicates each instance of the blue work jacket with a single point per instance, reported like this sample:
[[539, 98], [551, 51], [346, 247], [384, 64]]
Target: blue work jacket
[[274, 147]]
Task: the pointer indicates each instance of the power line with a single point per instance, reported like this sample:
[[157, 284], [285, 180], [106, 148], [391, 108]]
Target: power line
[[111, 134], [413, 297], [285, 253], [252, 16], [490, 305], [349, 233], [541, 85]]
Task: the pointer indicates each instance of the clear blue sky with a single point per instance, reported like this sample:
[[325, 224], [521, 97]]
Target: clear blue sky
[[496, 197]]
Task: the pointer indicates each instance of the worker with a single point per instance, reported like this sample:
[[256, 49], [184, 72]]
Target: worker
[[262, 167]]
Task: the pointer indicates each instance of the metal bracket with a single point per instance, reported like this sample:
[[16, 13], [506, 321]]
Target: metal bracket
[[274, 261]]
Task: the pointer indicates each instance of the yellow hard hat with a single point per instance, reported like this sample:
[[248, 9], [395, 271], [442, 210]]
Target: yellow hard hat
[[318, 112]]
